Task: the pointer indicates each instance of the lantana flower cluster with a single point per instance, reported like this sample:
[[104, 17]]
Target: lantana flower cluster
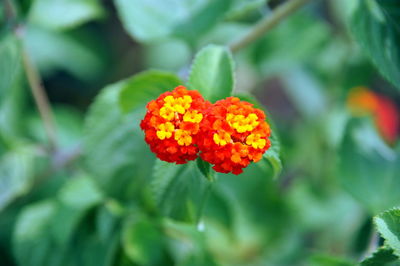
[[180, 126]]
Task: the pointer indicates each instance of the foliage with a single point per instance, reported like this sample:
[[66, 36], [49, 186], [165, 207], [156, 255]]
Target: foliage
[[99, 196]]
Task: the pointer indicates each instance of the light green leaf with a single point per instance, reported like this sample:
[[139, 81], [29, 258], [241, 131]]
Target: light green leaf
[[64, 14], [114, 149], [241, 9], [368, 169], [178, 189], [148, 21], [143, 241], [388, 225], [325, 260], [146, 86], [212, 73], [381, 257], [375, 25], [16, 173]]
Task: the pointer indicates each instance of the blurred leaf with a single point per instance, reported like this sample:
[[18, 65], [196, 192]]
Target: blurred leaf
[[212, 73], [10, 88], [143, 241], [77, 56], [375, 25], [241, 9], [325, 260], [146, 86], [16, 173], [368, 168], [187, 244], [148, 21], [275, 52], [382, 257], [45, 228], [69, 123], [178, 189], [388, 225], [64, 14], [114, 150], [163, 55]]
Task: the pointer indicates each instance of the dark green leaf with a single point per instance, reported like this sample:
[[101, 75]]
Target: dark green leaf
[[376, 26], [146, 86], [64, 14], [212, 73], [325, 260], [382, 257], [388, 224], [205, 169]]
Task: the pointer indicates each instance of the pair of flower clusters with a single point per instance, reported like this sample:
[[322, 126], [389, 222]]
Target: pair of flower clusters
[[180, 125]]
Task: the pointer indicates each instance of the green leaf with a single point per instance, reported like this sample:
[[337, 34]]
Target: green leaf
[[205, 169], [148, 21], [382, 257], [326, 260], [16, 173], [114, 150], [11, 88], [79, 57], [242, 9], [44, 229], [272, 155], [388, 225], [212, 73], [178, 189], [146, 86], [143, 241], [368, 169], [64, 14], [375, 25]]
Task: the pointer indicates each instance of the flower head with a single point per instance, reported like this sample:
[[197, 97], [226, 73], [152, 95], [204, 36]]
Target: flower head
[[172, 122], [362, 101], [232, 135]]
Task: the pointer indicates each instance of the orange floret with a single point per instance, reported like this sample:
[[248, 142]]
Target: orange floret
[[362, 101], [232, 135], [171, 123]]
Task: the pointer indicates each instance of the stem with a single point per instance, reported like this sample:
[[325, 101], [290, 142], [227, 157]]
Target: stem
[[39, 94], [267, 23], [203, 201]]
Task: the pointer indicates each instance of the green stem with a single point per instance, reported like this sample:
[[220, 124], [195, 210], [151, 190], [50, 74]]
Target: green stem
[[207, 193], [267, 23]]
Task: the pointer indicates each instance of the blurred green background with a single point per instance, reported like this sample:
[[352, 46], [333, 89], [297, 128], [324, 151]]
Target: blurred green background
[[99, 197]]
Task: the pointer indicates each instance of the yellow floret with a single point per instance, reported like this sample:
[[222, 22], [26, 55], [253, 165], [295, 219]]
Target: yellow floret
[[242, 123], [183, 137], [222, 138], [165, 130], [192, 116], [167, 113], [256, 141]]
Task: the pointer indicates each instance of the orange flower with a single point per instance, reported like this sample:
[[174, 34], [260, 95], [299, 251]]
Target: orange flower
[[362, 101], [232, 135], [171, 123]]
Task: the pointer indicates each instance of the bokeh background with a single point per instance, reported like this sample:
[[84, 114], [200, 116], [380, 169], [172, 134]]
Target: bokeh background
[[90, 201]]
